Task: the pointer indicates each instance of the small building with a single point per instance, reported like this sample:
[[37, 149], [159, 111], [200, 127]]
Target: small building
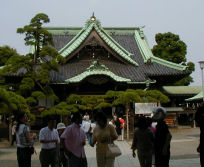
[[178, 94], [180, 111]]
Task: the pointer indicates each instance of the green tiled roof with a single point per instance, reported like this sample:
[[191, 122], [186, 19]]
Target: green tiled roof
[[75, 30], [182, 90], [105, 33], [147, 53], [83, 34], [199, 96], [96, 68]]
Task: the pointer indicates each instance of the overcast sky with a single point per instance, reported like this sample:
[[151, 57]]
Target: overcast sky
[[182, 17]]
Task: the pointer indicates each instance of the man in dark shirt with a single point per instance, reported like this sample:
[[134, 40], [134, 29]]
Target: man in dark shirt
[[199, 118], [143, 142]]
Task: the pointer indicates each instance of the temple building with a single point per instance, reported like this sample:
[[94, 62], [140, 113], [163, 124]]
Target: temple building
[[108, 58]]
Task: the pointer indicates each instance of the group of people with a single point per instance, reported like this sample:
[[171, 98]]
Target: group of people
[[88, 126], [64, 146], [152, 143], [119, 124]]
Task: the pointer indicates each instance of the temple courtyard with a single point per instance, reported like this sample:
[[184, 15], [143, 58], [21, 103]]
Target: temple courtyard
[[183, 151]]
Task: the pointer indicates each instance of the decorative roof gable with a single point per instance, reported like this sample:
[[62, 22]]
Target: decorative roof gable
[[90, 25], [96, 68]]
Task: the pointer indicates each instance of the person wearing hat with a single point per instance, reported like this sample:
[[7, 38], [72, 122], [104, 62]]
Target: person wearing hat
[[49, 140], [63, 160], [162, 138]]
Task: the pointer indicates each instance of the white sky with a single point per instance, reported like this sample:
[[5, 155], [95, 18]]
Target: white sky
[[182, 17]]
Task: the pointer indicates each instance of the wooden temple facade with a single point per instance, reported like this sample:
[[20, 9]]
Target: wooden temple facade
[[99, 59]]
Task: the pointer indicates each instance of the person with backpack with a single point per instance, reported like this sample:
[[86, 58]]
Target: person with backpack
[[24, 141]]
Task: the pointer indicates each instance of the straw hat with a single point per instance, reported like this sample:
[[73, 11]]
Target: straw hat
[[61, 126]]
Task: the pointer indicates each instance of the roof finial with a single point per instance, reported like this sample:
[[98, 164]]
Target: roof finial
[[93, 18]]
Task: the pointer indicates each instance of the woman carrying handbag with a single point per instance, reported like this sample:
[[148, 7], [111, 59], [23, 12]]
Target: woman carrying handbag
[[103, 135]]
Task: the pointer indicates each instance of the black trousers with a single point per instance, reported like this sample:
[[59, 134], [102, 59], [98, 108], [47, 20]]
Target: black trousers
[[24, 157], [13, 139], [202, 148], [162, 160], [48, 157], [63, 161]]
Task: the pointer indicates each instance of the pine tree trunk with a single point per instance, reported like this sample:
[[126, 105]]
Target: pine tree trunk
[[127, 121]]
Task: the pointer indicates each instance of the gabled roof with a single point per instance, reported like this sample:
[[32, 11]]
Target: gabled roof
[[127, 42], [84, 33]]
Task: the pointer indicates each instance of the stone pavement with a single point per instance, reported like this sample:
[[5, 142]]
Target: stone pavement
[[183, 152], [8, 158]]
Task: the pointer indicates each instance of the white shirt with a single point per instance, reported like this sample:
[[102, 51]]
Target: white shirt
[[13, 131], [47, 134], [86, 125], [86, 117], [111, 123], [93, 125]]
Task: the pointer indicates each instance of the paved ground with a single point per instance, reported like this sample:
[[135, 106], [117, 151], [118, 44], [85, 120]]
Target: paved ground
[[183, 152]]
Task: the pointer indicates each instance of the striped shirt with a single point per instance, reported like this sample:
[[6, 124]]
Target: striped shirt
[[47, 134]]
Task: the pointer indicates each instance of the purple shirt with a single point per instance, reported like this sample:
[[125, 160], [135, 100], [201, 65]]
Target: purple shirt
[[74, 138]]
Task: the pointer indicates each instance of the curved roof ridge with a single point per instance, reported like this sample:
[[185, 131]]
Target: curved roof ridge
[[148, 55]]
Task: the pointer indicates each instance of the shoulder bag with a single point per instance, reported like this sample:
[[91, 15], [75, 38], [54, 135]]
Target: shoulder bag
[[113, 150]]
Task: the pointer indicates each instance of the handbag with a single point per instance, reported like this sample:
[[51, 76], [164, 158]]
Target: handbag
[[90, 128], [113, 151]]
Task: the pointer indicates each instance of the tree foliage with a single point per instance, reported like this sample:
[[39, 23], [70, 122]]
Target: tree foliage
[[5, 53], [11, 103], [60, 109], [138, 95], [88, 102], [169, 47], [35, 67]]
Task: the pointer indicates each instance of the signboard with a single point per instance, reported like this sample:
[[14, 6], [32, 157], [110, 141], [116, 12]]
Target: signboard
[[144, 108]]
